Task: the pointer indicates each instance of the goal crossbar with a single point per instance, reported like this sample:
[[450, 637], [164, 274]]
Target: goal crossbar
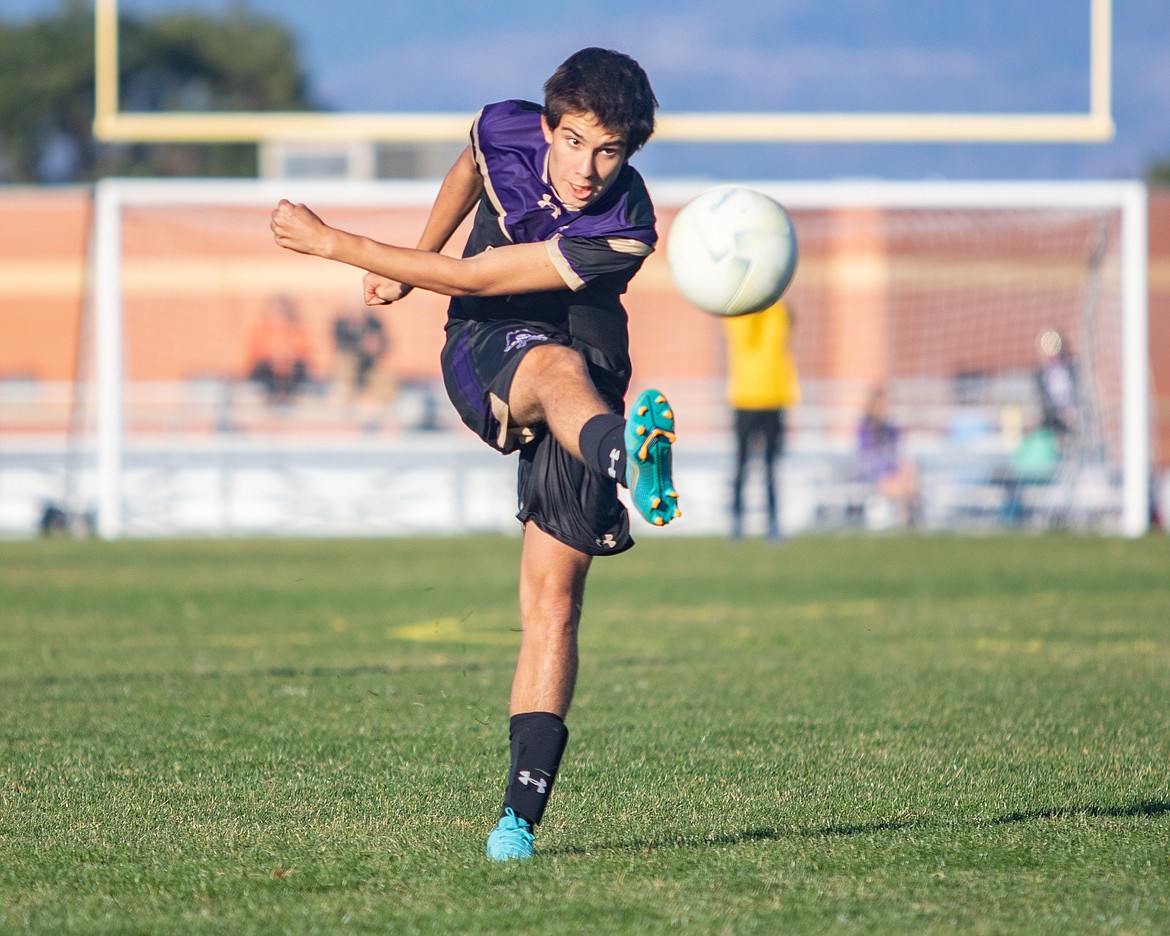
[[1094, 125]]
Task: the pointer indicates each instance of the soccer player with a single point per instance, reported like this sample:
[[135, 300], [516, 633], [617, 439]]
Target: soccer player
[[536, 359]]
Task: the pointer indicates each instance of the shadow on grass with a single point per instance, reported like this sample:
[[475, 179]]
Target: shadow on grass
[[864, 828], [665, 844], [1145, 808], [761, 834], [271, 672]]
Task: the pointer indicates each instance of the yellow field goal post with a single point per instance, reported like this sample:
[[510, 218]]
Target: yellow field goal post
[[1095, 124]]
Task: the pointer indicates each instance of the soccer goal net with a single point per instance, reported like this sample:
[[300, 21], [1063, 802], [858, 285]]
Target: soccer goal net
[[238, 388]]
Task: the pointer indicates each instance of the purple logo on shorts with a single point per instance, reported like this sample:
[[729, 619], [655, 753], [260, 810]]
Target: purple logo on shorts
[[521, 338]]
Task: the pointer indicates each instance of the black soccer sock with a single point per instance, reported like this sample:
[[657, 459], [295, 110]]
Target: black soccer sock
[[538, 741], [603, 445]]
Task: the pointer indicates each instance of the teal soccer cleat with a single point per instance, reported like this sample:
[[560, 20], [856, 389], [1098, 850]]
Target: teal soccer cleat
[[649, 436], [511, 839]]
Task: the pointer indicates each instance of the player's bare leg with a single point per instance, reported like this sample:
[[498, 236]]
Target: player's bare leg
[[552, 386], [552, 587]]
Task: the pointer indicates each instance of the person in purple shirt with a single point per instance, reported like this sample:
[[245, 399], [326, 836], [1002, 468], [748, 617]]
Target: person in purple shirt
[[536, 359], [880, 462]]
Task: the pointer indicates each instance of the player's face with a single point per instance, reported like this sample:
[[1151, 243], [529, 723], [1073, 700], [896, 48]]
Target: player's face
[[584, 158]]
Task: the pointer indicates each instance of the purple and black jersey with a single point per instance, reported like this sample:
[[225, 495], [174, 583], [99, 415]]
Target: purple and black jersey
[[597, 249]]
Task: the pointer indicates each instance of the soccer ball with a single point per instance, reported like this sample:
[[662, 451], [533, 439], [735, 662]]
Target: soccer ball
[[732, 250]]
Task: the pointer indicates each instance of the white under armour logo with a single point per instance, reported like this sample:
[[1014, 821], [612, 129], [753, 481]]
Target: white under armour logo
[[614, 455], [607, 541], [547, 202], [527, 779]]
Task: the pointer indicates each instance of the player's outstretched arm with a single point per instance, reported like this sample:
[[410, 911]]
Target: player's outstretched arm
[[516, 268], [457, 196]]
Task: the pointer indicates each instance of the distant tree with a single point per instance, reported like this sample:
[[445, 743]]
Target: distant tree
[[181, 61], [1158, 173], [46, 94]]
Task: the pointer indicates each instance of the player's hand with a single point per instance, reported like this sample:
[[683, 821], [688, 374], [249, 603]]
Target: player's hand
[[381, 290], [295, 227]]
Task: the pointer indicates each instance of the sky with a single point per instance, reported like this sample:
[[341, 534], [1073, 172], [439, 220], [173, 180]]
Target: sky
[[981, 56]]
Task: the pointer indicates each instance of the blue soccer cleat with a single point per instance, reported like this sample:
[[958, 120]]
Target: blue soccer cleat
[[511, 839], [649, 436]]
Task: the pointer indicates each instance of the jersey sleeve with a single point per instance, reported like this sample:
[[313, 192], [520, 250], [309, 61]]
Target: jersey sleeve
[[581, 259]]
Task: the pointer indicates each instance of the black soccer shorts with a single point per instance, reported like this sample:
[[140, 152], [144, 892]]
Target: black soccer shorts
[[569, 501], [556, 491]]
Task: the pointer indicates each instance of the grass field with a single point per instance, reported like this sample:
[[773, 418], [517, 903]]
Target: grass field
[[876, 735]]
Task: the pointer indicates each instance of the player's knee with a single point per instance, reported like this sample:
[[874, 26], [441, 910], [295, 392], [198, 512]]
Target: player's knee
[[550, 604], [552, 365], [548, 375], [550, 609]]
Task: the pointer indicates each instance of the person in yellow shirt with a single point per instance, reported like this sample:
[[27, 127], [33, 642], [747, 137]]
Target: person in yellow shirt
[[762, 384]]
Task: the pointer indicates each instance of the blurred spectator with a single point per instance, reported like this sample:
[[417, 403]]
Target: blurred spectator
[[1035, 461], [362, 376], [881, 464], [361, 343], [1056, 382], [762, 385], [278, 352]]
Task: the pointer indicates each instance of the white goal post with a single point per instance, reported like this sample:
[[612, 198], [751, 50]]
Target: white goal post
[[837, 279]]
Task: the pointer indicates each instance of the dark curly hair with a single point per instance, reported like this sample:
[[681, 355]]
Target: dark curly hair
[[607, 84]]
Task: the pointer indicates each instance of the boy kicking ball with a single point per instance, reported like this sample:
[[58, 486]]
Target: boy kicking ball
[[536, 360]]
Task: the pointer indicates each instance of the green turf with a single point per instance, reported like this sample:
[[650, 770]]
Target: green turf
[[874, 735]]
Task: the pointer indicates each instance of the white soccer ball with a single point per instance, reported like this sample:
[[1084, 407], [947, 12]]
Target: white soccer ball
[[732, 250]]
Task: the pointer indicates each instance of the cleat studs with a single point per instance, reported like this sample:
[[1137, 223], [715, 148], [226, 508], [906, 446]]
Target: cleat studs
[[677, 513], [669, 414], [641, 430], [658, 521], [660, 399], [655, 503], [643, 410]]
